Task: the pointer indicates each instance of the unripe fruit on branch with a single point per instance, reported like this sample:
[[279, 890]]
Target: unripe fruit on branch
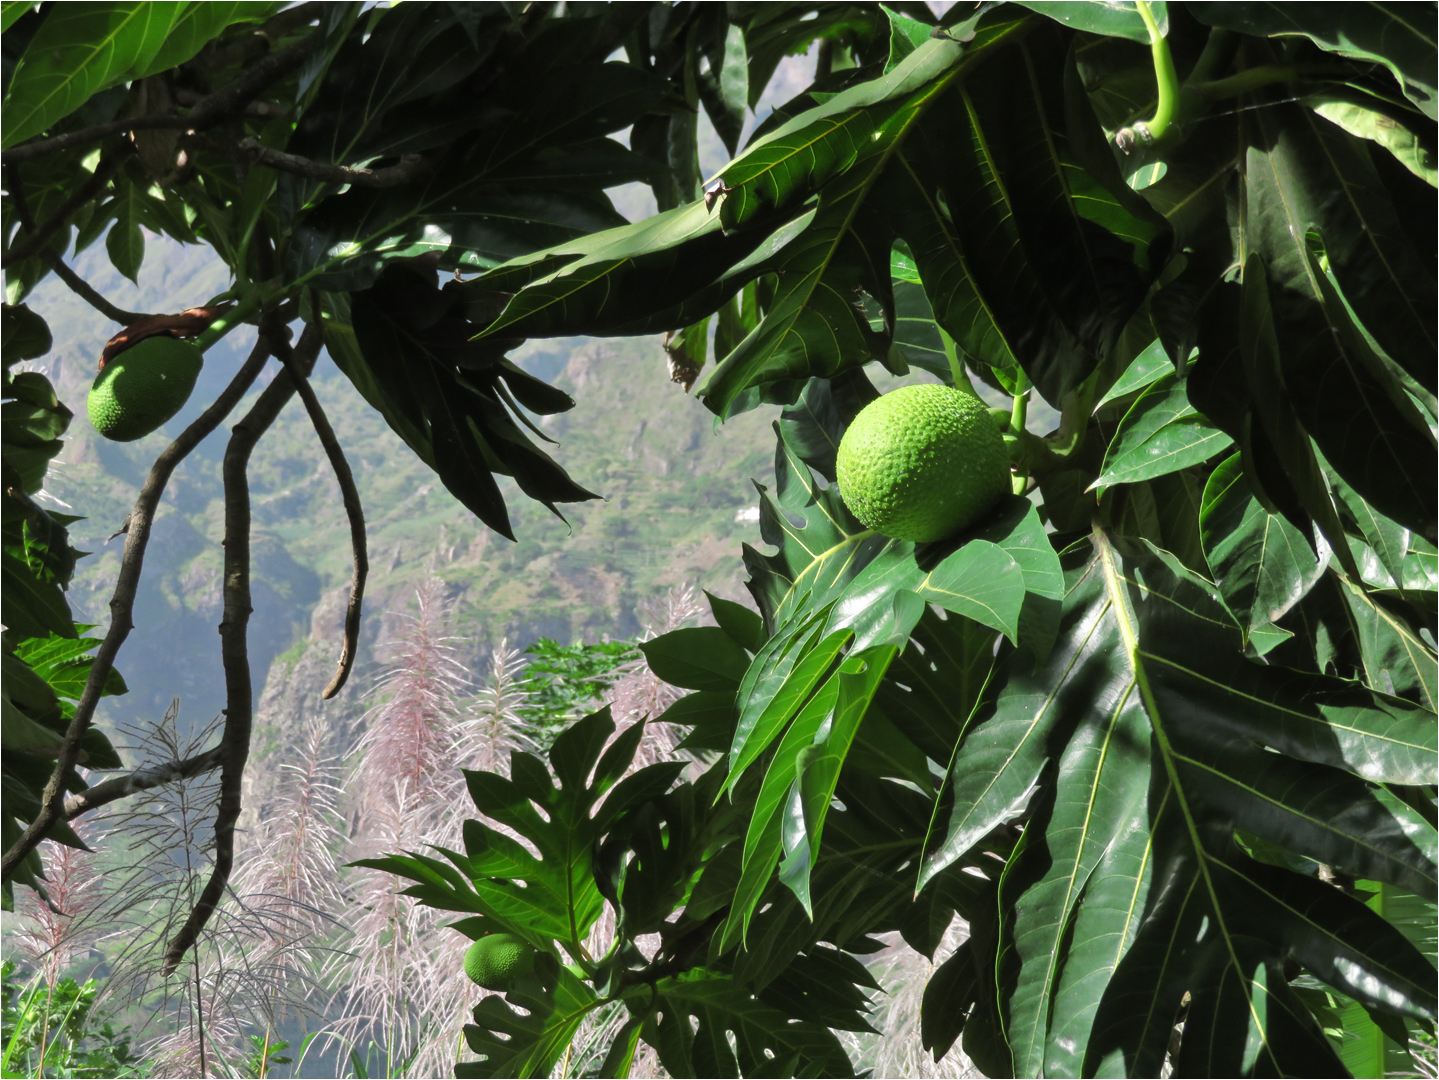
[[922, 463], [142, 387], [496, 961]]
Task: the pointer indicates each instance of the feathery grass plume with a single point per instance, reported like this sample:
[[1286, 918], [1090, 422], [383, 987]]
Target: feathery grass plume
[[494, 722], [53, 935], [398, 964], [638, 692], [409, 738], [204, 1038], [404, 984], [157, 858], [289, 870]]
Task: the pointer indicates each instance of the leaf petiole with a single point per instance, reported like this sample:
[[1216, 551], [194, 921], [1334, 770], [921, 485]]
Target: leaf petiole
[[1148, 132]]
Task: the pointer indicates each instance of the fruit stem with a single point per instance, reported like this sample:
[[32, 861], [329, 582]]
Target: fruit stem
[[230, 319], [957, 374], [1018, 416]]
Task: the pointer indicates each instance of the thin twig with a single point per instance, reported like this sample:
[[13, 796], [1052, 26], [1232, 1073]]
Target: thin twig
[[234, 624], [152, 776], [410, 166], [87, 292], [122, 604], [38, 235], [214, 109], [353, 510], [22, 213]]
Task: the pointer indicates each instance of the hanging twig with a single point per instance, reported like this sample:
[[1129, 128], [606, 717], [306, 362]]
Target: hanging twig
[[88, 293], [214, 109], [410, 166], [353, 510], [122, 604], [234, 651], [80, 286]]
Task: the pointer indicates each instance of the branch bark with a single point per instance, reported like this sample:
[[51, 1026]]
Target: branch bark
[[119, 787], [89, 294], [410, 166], [122, 604], [239, 692], [214, 109], [353, 510]]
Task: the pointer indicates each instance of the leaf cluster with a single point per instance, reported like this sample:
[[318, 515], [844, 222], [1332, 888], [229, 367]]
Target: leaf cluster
[[1144, 731]]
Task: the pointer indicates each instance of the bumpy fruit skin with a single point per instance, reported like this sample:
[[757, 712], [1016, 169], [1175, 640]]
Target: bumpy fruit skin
[[498, 960], [922, 463], [143, 387]]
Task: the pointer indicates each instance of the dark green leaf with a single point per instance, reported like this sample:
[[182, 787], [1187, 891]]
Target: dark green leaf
[[739, 622], [1160, 434], [1365, 435], [1120, 20], [1399, 38], [26, 336], [697, 658], [1261, 563], [700, 1012], [79, 50], [511, 1043]]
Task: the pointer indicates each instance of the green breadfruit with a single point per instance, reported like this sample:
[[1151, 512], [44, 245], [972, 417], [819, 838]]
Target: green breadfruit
[[143, 387], [922, 463], [497, 960]]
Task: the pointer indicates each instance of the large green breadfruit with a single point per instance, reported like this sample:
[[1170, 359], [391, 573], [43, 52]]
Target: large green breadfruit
[[497, 960], [922, 463], [143, 387]]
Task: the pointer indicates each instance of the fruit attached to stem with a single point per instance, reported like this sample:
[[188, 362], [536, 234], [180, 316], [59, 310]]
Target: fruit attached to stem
[[496, 961], [922, 463], [143, 387]]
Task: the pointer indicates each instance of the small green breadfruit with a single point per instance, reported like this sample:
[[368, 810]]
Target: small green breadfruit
[[143, 387], [922, 463], [496, 961]]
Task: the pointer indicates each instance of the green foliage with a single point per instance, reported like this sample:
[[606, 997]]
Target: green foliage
[[54, 1031], [565, 680], [1166, 695], [1143, 730], [45, 666]]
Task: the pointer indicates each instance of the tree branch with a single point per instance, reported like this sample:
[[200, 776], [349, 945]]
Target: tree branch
[[57, 264], [353, 510], [262, 40], [214, 109], [122, 604], [239, 692], [86, 292], [410, 166], [118, 787]]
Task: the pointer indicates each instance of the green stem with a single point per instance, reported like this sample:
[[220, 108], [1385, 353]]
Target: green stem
[[1166, 77], [1018, 416], [1265, 75], [957, 374], [231, 319]]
